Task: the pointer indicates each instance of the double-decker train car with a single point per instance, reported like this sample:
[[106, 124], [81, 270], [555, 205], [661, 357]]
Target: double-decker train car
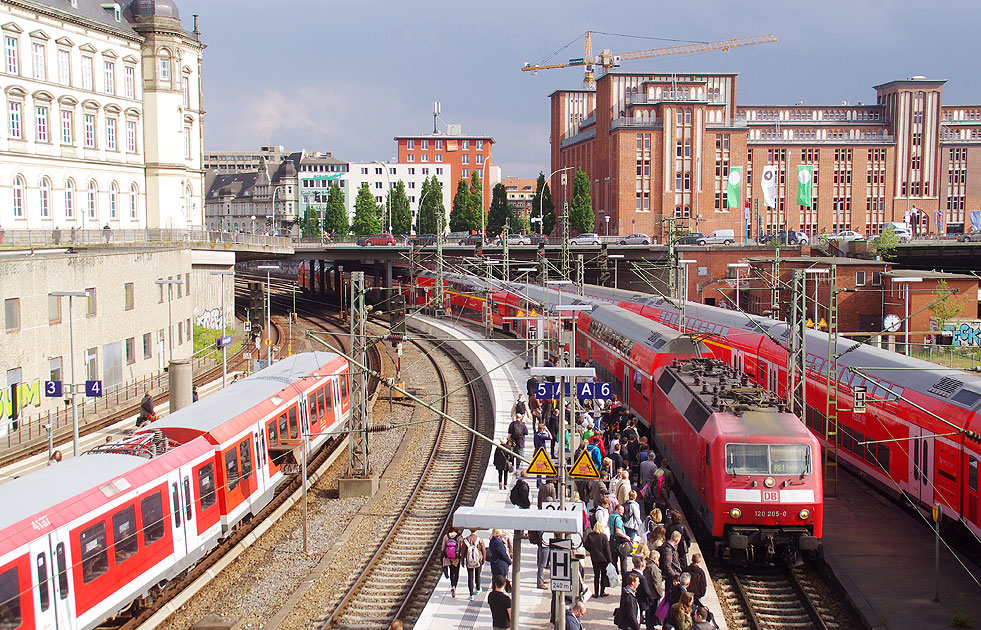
[[83, 539], [923, 420]]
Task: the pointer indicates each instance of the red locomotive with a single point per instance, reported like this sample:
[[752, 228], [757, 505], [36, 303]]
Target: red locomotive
[[81, 540]]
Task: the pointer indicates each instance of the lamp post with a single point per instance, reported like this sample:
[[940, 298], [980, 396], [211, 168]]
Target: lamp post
[[737, 267], [71, 354], [906, 281], [253, 225], [275, 190], [388, 181], [483, 211], [170, 315], [224, 350], [541, 199], [268, 269], [616, 258]]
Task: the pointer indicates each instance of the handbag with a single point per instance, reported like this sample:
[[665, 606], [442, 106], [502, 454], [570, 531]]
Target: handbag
[[510, 467], [612, 574], [663, 608]]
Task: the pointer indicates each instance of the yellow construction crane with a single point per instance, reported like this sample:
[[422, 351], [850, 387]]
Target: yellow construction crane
[[608, 60]]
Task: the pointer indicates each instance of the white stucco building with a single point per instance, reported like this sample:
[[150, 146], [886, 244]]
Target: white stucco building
[[102, 116], [381, 176]]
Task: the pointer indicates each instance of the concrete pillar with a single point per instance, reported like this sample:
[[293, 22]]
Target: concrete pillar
[[338, 282], [388, 274], [323, 276], [181, 388], [516, 580]]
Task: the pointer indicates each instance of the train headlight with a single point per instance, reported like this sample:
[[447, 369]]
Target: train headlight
[[769, 482], [735, 512], [804, 514]]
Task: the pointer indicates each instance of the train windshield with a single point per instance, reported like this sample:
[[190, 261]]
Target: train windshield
[[768, 459]]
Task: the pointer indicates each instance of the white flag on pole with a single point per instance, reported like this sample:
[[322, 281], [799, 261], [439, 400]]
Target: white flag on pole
[[769, 184]]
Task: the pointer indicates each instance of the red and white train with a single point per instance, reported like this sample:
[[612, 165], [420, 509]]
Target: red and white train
[[82, 540]]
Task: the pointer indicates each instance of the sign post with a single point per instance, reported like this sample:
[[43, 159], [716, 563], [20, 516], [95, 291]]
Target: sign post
[[937, 513], [560, 552]]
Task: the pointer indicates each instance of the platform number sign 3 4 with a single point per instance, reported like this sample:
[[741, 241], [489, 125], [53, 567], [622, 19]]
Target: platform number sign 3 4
[[93, 389]]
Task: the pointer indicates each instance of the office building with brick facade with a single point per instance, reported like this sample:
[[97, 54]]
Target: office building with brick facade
[[661, 145]]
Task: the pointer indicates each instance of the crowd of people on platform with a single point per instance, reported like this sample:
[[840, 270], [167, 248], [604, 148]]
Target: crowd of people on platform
[[635, 538]]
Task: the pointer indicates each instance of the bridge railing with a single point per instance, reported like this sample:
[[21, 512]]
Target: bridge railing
[[24, 239]]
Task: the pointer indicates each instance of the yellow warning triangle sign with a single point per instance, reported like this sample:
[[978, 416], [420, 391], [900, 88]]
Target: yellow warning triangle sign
[[541, 464], [584, 468]]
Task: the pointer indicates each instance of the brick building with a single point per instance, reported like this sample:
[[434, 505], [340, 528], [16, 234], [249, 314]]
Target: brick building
[[661, 145]]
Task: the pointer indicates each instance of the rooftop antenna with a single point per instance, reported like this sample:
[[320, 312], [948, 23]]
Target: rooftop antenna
[[435, 113]]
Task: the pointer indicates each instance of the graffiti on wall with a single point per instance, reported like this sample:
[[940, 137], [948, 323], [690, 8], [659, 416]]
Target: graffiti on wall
[[963, 332], [28, 395], [210, 319]]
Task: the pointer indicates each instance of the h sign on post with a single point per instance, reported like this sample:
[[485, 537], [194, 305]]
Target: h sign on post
[[52, 389], [93, 389], [860, 392], [561, 559]]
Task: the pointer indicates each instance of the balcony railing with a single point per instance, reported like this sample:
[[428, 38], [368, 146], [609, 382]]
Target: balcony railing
[[618, 123]]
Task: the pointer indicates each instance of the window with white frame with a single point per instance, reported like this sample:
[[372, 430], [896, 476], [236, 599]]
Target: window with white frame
[[411, 157], [186, 91], [14, 120], [37, 56], [18, 199], [480, 159], [424, 145], [113, 200], [410, 144], [465, 145], [425, 157], [439, 157], [11, 46], [64, 66], [69, 199], [111, 133], [439, 145], [466, 173], [41, 123], [90, 198], [87, 72], [165, 68], [479, 144], [88, 125], [465, 159], [187, 142], [131, 136], [134, 198], [129, 82], [44, 197], [67, 126], [110, 76]]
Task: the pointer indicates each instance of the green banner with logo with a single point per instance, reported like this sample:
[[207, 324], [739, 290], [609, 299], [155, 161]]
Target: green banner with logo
[[734, 190], [804, 176]]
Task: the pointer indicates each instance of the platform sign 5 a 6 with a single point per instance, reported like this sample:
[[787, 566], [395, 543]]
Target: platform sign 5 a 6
[[547, 390], [52, 389], [593, 390], [93, 389]]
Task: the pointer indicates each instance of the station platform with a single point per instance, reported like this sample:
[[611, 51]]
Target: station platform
[[506, 378], [884, 560]]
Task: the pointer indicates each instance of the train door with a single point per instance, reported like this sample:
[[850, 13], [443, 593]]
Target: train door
[[187, 502], [973, 512], [60, 570], [739, 360], [920, 481], [180, 541], [43, 597], [626, 386], [772, 377]]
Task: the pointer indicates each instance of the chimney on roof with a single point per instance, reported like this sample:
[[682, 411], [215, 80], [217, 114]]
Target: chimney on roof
[[196, 32]]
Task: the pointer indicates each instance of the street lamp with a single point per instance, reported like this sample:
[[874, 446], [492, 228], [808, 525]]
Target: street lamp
[[388, 180], [483, 210], [737, 267], [541, 199], [71, 352], [275, 190], [170, 315], [268, 269], [224, 350], [253, 225], [616, 258], [906, 281]]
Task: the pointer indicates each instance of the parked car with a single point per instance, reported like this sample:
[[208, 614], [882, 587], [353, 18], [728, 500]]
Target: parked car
[[969, 237], [719, 237], [586, 238], [902, 230], [422, 240], [472, 239], [847, 235], [637, 238], [378, 239], [455, 237], [785, 237], [692, 238]]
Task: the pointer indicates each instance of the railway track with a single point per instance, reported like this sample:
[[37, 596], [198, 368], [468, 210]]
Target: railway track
[[404, 564], [774, 598]]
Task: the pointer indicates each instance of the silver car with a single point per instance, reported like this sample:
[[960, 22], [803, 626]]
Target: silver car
[[587, 238], [637, 238]]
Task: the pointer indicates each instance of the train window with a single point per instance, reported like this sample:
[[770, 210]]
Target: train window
[[895, 391], [847, 439], [245, 450], [638, 380], [708, 461], [844, 377], [283, 429], [43, 596], [746, 459], [972, 474], [328, 400], [273, 434], [95, 557], [768, 459], [10, 616], [321, 405], [859, 447], [62, 570], [882, 457], [790, 459], [666, 382], [312, 406], [344, 385], [231, 469], [294, 427], [187, 499], [916, 459], [177, 505], [206, 486], [124, 533]]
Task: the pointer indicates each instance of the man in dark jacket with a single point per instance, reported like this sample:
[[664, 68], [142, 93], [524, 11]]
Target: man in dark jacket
[[546, 492], [628, 617], [572, 616], [701, 616], [146, 409], [670, 561], [500, 605], [645, 594], [517, 431], [520, 493]]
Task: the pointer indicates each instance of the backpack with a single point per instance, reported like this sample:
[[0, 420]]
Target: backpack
[[473, 555], [451, 548], [519, 407], [514, 495]]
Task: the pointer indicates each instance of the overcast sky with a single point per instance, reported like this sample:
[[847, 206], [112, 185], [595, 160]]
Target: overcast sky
[[347, 77]]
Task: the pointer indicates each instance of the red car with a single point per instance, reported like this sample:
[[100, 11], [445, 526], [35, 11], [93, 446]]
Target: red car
[[378, 239]]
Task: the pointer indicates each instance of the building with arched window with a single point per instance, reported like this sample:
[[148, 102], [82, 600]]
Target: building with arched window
[[90, 139]]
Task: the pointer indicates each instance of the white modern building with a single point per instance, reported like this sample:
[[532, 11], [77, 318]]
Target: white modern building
[[102, 108], [382, 176]]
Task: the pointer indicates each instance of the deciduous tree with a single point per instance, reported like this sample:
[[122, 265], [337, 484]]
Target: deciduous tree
[[401, 211], [430, 217], [462, 208], [335, 217], [500, 212], [542, 206], [581, 216], [367, 213]]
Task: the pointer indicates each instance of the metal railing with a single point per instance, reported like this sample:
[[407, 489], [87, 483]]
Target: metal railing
[[617, 123], [54, 237]]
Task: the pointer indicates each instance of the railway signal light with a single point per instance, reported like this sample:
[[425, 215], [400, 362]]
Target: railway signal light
[[541, 250], [396, 314], [478, 250]]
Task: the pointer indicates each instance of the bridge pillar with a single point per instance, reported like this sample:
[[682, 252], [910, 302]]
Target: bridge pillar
[[323, 277], [338, 282], [388, 274]]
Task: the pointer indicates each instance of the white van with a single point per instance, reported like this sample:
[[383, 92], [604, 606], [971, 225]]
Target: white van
[[902, 230], [720, 237]]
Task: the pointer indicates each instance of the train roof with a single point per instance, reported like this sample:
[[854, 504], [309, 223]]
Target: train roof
[[761, 423], [635, 327], [213, 411]]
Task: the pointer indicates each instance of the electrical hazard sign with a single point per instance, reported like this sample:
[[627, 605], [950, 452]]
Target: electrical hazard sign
[[584, 467], [541, 465]]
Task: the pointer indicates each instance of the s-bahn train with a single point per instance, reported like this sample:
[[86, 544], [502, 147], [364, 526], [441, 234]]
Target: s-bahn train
[[749, 469], [82, 540]]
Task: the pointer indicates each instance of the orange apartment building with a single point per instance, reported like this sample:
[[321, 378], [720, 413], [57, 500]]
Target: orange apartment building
[[661, 145], [464, 154]]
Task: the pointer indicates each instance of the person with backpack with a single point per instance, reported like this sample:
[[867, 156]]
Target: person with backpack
[[475, 555], [504, 464], [521, 494], [520, 408], [452, 548], [632, 522], [517, 431], [678, 525]]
